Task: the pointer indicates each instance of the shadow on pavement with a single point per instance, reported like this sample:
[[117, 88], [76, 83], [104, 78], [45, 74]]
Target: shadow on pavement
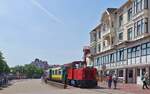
[[98, 87], [5, 86], [1, 88]]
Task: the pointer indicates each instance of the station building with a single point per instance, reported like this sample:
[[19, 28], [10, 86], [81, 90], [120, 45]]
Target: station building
[[121, 41]]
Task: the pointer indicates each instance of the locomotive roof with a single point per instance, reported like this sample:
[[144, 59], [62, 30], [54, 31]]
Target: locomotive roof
[[72, 63], [56, 68]]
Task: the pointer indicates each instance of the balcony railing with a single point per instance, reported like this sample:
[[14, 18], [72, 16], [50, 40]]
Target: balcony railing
[[105, 48], [106, 32]]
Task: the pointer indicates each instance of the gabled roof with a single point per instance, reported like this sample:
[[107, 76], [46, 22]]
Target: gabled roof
[[111, 10]]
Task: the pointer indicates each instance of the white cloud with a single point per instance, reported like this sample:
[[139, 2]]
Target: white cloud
[[47, 12]]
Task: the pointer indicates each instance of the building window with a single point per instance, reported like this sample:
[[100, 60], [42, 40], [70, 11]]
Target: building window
[[97, 61], [146, 25], [130, 34], [133, 52], [99, 35], [120, 55], [104, 27], [129, 14], [129, 53], [121, 36], [99, 47], [143, 49], [145, 4], [138, 5], [94, 36], [148, 48], [120, 20], [138, 51], [112, 58], [115, 56], [107, 59], [94, 50], [138, 72], [100, 62], [139, 28], [120, 73], [103, 60], [130, 73]]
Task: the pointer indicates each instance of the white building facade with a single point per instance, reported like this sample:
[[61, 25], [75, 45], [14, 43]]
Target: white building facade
[[121, 42]]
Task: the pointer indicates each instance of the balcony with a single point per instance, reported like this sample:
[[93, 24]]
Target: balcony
[[105, 48], [106, 32], [141, 36], [144, 12]]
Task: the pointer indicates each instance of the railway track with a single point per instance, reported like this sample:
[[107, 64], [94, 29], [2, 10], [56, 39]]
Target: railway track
[[57, 84]]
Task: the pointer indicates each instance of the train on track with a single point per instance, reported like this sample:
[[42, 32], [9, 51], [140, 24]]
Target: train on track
[[76, 73]]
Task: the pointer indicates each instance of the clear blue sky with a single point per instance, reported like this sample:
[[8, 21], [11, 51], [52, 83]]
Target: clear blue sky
[[52, 30]]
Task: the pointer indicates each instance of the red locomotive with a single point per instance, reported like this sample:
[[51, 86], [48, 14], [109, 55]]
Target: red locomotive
[[76, 73], [80, 75]]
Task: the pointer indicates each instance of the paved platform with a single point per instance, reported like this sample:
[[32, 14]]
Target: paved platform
[[129, 88], [35, 86]]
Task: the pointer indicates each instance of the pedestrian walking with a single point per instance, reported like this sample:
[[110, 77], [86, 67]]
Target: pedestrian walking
[[109, 81], [144, 79], [43, 78], [65, 80], [115, 78]]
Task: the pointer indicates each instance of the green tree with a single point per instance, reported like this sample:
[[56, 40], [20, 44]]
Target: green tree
[[32, 71], [4, 68], [29, 70], [20, 69]]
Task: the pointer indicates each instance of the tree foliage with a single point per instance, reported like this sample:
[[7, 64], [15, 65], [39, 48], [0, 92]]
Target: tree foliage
[[4, 68], [28, 70]]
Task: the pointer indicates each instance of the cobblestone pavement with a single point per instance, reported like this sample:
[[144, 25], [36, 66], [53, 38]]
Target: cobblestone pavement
[[130, 88], [32, 86]]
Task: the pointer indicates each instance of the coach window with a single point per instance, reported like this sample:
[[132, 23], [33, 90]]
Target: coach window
[[143, 49], [52, 72], [148, 48], [59, 72], [55, 72]]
